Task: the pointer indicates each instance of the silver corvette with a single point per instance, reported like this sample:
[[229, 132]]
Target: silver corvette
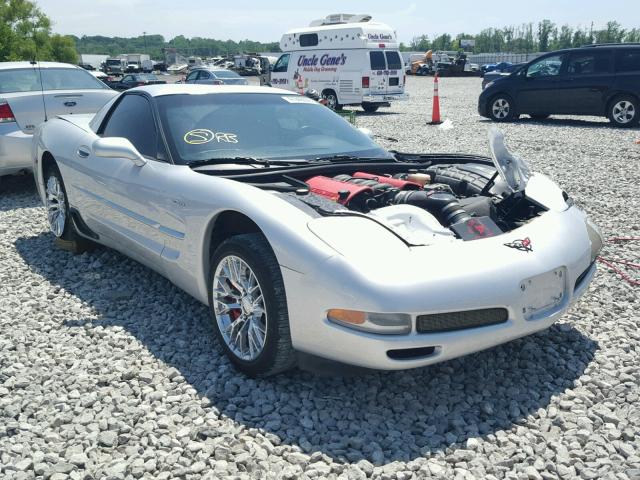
[[303, 235]]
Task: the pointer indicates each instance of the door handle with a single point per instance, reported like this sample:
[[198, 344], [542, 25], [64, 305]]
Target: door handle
[[70, 104], [83, 152]]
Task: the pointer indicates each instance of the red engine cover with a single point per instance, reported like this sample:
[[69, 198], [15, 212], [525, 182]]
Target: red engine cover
[[330, 188], [394, 182]]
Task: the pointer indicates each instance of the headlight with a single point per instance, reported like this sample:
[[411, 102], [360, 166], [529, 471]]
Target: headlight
[[595, 236], [489, 84], [384, 323]]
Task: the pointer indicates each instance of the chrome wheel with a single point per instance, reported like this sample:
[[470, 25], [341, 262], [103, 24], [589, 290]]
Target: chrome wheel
[[239, 308], [56, 210], [500, 108], [624, 112], [332, 101]]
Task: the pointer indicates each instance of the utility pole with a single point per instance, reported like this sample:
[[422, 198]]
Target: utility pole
[[144, 36]]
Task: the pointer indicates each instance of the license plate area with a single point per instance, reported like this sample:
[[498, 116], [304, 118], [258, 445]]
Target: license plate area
[[394, 81], [543, 294]]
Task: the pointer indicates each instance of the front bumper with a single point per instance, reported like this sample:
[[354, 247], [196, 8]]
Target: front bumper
[[384, 98], [15, 149], [482, 103], [453, 278]]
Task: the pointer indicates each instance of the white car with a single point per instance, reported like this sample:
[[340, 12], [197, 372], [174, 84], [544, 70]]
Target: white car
[[303, 235], [32, 93]]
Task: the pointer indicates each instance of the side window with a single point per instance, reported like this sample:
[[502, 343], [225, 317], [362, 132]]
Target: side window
[[547, 67], [204, 75], [21, 80], [628, 60], [192, 76], [308, 39], [133, 119], [589, 63], [128, 78], [282, 64], [377, 61], [393, 60], [69, 79]]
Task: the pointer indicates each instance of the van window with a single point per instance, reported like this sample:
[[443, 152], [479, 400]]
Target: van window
[[282, 64], [589, 63], [393, 60], [377, 60], [628, 60], [547, 67], [21, 80], [308, 39]]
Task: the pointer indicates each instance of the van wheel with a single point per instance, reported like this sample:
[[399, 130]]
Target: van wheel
[[624, 111], [502, 109], [332, 100], [370, 107]]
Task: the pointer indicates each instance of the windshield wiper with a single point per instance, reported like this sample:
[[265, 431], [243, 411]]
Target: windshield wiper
[[244, 161], [350, 158]]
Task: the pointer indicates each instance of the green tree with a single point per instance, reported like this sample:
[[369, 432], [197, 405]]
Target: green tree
[[545, 31], [25, 34]]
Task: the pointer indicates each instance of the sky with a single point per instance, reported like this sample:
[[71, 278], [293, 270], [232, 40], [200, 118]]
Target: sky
[[267, 21]]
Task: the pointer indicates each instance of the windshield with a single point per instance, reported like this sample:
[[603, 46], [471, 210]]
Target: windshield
[[147, 76], [207, 126], [225, 74], [113, 62]]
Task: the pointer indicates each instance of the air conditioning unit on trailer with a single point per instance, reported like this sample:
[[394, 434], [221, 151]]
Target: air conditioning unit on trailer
[[338, 18]]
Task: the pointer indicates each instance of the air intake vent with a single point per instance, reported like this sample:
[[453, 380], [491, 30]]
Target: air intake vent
[[448, 322]]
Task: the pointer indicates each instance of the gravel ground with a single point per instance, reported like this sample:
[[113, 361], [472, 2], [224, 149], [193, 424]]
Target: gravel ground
[[108, 371]]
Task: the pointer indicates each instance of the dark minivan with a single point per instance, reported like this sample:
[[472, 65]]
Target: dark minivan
[[599, 80]]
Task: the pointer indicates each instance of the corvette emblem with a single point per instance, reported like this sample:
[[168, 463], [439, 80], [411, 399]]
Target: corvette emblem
[[523, 245]]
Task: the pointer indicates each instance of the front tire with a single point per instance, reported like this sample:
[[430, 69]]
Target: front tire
[[248, 306], [624, 111], [502, 108]]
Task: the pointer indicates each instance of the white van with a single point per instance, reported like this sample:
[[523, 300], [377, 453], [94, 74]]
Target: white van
[[348, 59]]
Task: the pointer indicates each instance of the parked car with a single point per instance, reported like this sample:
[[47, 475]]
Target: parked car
[[496, 74], [491, 67], [215, 76], [136, 80], [103, 77], [600, 80], [275, 212], [32, 93]]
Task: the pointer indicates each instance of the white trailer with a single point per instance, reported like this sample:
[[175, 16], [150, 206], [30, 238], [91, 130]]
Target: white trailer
[[348, 59]]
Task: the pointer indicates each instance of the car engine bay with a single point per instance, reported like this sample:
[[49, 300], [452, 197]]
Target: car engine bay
[[465, 201]]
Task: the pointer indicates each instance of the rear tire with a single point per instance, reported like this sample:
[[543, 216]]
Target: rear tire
[[332, 100], [370, 108], [59, 216], [624, 111], [502, 108], [248, 306]]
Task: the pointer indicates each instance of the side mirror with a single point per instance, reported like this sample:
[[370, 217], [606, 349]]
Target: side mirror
[[366, 131], [117, 147]]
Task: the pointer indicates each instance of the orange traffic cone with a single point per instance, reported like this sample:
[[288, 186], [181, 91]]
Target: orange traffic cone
[[435, 113]]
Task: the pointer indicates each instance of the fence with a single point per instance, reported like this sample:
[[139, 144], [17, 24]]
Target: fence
[[482, 58]]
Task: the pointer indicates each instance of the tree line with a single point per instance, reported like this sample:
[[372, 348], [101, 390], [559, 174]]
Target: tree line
[[155, 44], [545, 36]]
